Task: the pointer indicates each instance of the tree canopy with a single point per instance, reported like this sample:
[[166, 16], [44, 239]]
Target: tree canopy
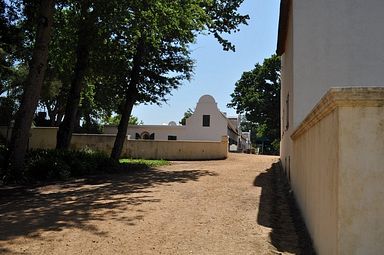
[[257, 95], [95, 58], [187, 114]]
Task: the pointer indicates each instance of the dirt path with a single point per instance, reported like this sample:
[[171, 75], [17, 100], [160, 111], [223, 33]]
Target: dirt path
[[199, 207]]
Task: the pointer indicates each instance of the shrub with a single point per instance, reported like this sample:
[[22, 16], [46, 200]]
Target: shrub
[[48, 168], [61, 164], [3, 155]]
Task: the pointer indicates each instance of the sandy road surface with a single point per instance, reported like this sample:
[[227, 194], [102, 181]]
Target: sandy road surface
[[199, 207]]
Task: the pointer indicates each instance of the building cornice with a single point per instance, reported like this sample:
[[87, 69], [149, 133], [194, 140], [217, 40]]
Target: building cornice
[[341, 97]]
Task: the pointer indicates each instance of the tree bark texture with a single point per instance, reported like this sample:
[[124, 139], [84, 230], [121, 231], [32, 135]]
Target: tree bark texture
[[33, 85], [64, 134], [130, 100], [123, 126]]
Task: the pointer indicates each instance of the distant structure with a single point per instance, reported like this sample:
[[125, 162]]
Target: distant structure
[[206, 123]]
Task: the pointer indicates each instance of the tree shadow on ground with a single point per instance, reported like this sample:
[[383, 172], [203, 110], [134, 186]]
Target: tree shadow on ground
[[30, 211], [278, 211]]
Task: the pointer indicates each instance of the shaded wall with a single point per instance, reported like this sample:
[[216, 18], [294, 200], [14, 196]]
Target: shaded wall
[[286, 102]]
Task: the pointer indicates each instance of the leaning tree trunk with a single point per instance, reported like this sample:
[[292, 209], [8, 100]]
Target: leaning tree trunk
[[123, 125], [64, 134], [130, 100], [31, 94]]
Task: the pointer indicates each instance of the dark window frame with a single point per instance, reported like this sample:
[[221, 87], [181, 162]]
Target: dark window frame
[[287, 113], [172, 137], [206, 120]]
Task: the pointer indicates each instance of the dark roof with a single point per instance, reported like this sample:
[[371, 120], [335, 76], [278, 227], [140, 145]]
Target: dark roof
[[285, 5], [230, 125]]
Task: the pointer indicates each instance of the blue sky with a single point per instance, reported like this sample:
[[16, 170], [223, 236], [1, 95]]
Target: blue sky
[[217, 71]]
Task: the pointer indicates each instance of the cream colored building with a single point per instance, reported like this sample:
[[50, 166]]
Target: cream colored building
[[332, 139], [207, 123], [326, 44]]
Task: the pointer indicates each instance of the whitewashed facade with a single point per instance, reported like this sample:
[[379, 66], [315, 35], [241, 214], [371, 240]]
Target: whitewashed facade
[[207, 123], [325, 44]]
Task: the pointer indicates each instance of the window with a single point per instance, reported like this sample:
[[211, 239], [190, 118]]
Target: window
[[206, 120], [145, 135], [287, 113], [172, 137]]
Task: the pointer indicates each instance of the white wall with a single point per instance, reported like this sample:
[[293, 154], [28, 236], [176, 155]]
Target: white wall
[[329, 44], [194, 124], [161, 131], [336, 43], [193, 130]]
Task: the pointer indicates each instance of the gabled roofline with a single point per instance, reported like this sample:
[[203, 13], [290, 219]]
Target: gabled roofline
[[285, 6]]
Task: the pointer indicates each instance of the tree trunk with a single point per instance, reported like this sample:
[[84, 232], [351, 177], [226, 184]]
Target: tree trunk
[[130, 100], [66, 128], [123, 125], [31, 94]]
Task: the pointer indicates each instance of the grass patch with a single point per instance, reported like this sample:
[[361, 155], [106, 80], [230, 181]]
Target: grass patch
[[144, 163]]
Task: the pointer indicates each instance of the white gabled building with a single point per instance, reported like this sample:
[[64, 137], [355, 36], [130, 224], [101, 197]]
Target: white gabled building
[[207, 123]]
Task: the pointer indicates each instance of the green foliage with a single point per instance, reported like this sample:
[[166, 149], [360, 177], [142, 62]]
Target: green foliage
[[224, 18], [187, 114], [111, 32], [257, 94], [43, 165], [115, 120], [114, 29], [7, 110], [3, 156], [10, 42]]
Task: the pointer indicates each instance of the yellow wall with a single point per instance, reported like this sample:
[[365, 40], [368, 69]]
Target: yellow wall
[[176, 150], [314, 178], [100, 142], [154, 149], [362, 184], [42, 137], [337, 172]]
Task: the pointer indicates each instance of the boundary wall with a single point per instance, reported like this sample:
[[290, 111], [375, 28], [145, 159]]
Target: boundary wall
[[45, 138]]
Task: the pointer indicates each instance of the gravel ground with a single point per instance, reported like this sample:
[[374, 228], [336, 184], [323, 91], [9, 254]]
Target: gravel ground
[[240, 205]]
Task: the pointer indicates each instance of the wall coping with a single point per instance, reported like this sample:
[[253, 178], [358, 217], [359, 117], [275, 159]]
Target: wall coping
[[341, 97]]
